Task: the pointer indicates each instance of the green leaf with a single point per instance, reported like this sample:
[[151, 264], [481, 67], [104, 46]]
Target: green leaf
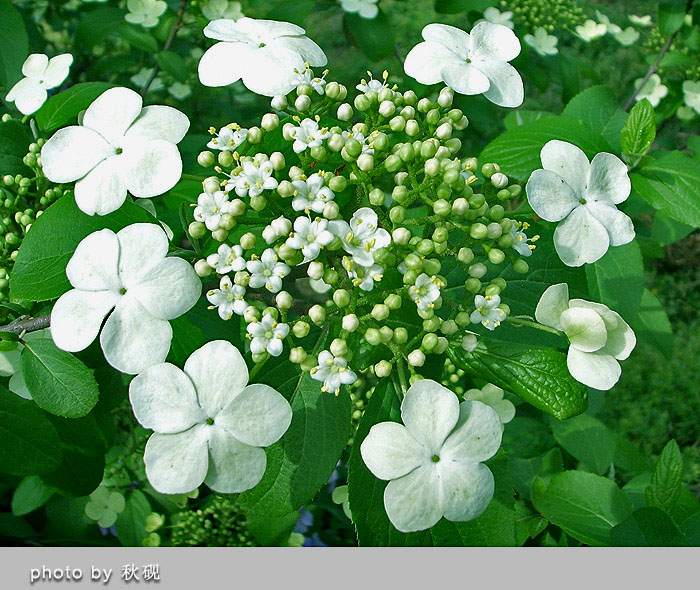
[[666, 479], [63, 108], [171, 63], [520, 117], [639, 131], [375, 37], [527, 438], [95, 26], [586, 506], [588, 440], [14, 144], [272, 532], [691, 529], [538, 375], [131, 521], [138, 37], [59, 382], [524, 471], [456, 6], [598, 108], [648, 527], [30, 494], [14, 48], [671, 16], [29, 443], [39, 271], [652, 325]]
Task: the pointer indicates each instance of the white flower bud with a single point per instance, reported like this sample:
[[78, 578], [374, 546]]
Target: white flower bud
[[279, 103], [277, 160], [297, 355], [269, 234], [242, 278], [350, 322], [302, 103], [315, 270], [345, 112], [206, 159], [416, 358], [412, 128], [469, 342], [387, 108], [202, 268], [432, 167], [248, 240], [283, 300], [281, 225], [365, 162], [331, 210], [339, 347], [380, 311], [499, 180], [401, 236], [236, 207], [460, 206], [317, 314], [397, 123], [286, 131], [382, 369], [463, 123], [251, 314], [444, 131], [211, 185], [446, 97], [270, 122], [296, 173]]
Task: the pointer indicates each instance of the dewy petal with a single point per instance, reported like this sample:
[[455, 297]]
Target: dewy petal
[[57, 70], [103, 189], [154, 168], [28, 96], [160, 122], [177, 463], [466, 489], [164, 400], [477, 435], [430, 412], [94, 264], [608, 179], [550, 196], [305, 47], [141, 247], [412, 502], [618, 225], [424, 62], [77, 316], [552, 304], [389, 451], [132, 339], [464, 78], [234, 467], [567, 161], [113, 112], [35, 65], [219, 374], [506, 88], [580, 238], [223, 63], [452, 38], [258, 416], [270, 71], [595, 369], [585, 328], [72, 152], [492, 40]]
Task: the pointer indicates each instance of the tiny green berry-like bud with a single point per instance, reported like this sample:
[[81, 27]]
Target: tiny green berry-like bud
[[393, 163], [444, 131], [440, 234], [412, 128], [400, 335], [477, 270], [332, 90], [339, 347], [287, 131], [401, 236], [442, 344], [520, 266], [283, 300], [297, 355], [365, 162], [499, 180], [397, 124], [469, 342], [304, 89], [206, 159], [279, 103], [424, 105], [270, 122], [248, 241], [315, 270], [449, 327], [308, 363], [220, 235], [345, 112], [478, 231], [393, 301], [335, 142], [277, 160], [397, 214], [285, 189], [492, 290], [258, 203], [416, 358], [211, 184], [318, 152], [460, 206], [338, 183], [432, 167], [373, 337], [446, 97], [317, 314], [380, 311], [331, 210], [302, 103], [494, 230], [376, 197], [429, 342], [362, 103], [202, 268], [387, 108], [496, 256], [254, 135], [473, 285], [442, 207], [488, 170], [341, 298], [350, 322], [353, 147], [301, 329], [197, 230], [251, 314], [382, 369], [242, 278]]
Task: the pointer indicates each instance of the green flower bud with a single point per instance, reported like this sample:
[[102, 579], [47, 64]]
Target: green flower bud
[[376, 197], [242, 278], [365, 162], [350, 322], [335, 142], [410, 98], [400, 335], [341, 298], [416, 358], [425, 247], [202, 268], [515, 190], [520, 266], [499, 180], [413, 262], [488, 170], [251, 314], [338, 183], [248, 240], [387, 108], [393, 163], [477, 270], [270, 122], [444, 131], [429, 341], [401, 236], [339, 347], [380, 142], [353, 147], [302, 103], [373, 337], [412, 128], [446, 97], [397, 124], [254, 136], [283, 300], [432, 167], [345, 112], [317, 314], [441, 234], [279, 103], [362, 103], [309, 363], [285, 189], [297, 355], [431, 324], [441, 206], [382, 369], [478, 231], [225, 159], [462, 319], [332, 90], [424, 105], [319, 153], [397, 214], [449, 327], [301, 329], [197, 230], [493, 230], [506, 241], [258, 202], [206, 159], [473, 285], [432, 266], [492, 290], [380, 311]]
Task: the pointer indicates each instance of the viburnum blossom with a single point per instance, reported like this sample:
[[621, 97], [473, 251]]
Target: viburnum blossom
[[311, 194], [227, 299], [120, 146], [542, 42], [227, 259], [495, 16], [434, 460], [365, 8], [363, 277], [216, 9], [333, 371], [653, 90], [492, 396], [307, 135], [40, 74], [591, 30], [210, 208], [228, 138], [425, 291], [362, 236], [306, 76], [267, 271], [267, 335], [209, 425], [309, 236], [253, 179], [487, 312], [521, 243], [145, 12], [373, 84], [691, 94]]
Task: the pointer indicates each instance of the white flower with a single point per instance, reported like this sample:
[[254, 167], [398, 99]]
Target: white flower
[[487, 312], [474, 63], [228, 299], [215, 9], [365, 8], [267, 272], [641, 21], [627, 37], [591, 30], [492, 396], [363, 277], [126, 272], [373, 85], [208, 425], [267, 335], [611, 27], [653, 90], [520, 240], [599, 337], [362, 236], [495, 16], [119, 147], [145, 12], [210, 208], [425, 291], [143, 76], [40, 74], [584, 196], [263, 53], [691, 95], [253, 179], [227, 259], [542, 42], [306, 77], [333, 372], [311, 194], [279, 227], [179, 91], [307, 135], [228, 138], [434, 463], [309, 236], [10, 363]]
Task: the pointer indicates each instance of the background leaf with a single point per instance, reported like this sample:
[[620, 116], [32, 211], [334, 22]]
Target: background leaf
[[667, 478], [586, 439], [14, 48], [648, 527], [63, 108], [598, 108]]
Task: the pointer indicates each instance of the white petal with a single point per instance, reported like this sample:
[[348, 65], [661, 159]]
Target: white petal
[[258, 416], [103, 189], [597, 370], [305, 47], [28, 96], [234, 467], [412, 502], [567, 161], [452, 38], [505, 409], [621, 338], [177, 463], [72, 152], [164, 400], [464, 78], [389, 451], [424, 62], [35, 65], [219, 374], [506, 88], [580, 238], [608, 179], [552, 304], [270, 71], [550, 196], [154, 168], [618, 225], [223, 63], [477, 435], [429, 411], [141, 247], [160, 122], [259, 28], [77, 316], [9, 362], [584, 328], [489, 39], [57, 70], [113, 112], [466, 489], [94, 264], [224, 29]]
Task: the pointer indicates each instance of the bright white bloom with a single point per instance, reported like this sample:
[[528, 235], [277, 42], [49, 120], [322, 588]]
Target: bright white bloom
[[208, 425], [215, 9], [365, 8], [542, 42], [228, 138], [267, 335], [179, 91], [228, 299], [119, 147], [210, 208], [253, 179], [584, 195], [591, 30], [10, 363], [487, 312], [474, 63], [362, 236], [227, 259], [691, 95], [373, 85], [143, 76], [127, 274], [363, 277], [333, 372], [267, 271], [627, 37], [611, 27], [434, 463], [145, 12], [425, 291], [311, 194], [521, 243], [493, 396], [309, 236], [263, 53], [40, 74], [641, 21], [599, 337], [653, 90], [306, 77], [307, 135], [278, 228], [495, 16]]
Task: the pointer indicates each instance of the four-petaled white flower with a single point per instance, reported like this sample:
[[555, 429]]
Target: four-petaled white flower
[[141, 78], [653, 90], [228, 139], [363, 277], [333, 371], [371, 85], [210, 208], [492, 396], [521, 243], [10, 363], [542, 42], [627, 37], [591, 30], [434, 460], [469, 63], [263, 53], [145, 12], [487, 312], [228, 298], [425, 291], [227, 259], [119, 147], [267, 335], [179, 91], [584, 195], [127, 272], [209, 425], [40, 74], [253, 179], [365, 8], [599, 337], [306, 77], [311, 194], [691, 95], [495, 16], [641, 21], [610, 26], [362, 236], [216, 9], [309, 236], [307, 135], [267, 271]]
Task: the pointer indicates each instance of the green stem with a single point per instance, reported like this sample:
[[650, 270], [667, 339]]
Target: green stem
[[192, 177], [530, 324], [402, 375]]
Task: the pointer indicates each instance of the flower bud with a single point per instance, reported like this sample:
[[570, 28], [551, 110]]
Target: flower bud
[[341, 298], [520, 266], [473, 285], [251, 314], [469, 342], [410, 98], [496, 256], [279, 103], [350, 322], [269, 235], [302, 103], [315, 270], [285, 189], [297, 355], [477, 270], [387, 108], [330, 276], [362, 103], [345, 112], [465, 255], [401, 235], [225, 159], [228, 222], [382, 369], [287, 131], [499, 180], [489, 169], [365, 162], [211, 185], [248, 240], [444, 132], [206, 159], [416, 358], [397, 124], [317, 314], [202, 268], [393, 163], [460, 206], [309, 363], [445, 98], [442, 207], [429, 342], [338, 183], [376, 197], [197, 230], [254, 135], [478, 231], [301, 329], [270, 122], [220, 235], [332, 90], [412, 128], [432, 167], [380, 312], [242, 278], [331, 210], [339, 347], [373, 337], [283, 300]]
